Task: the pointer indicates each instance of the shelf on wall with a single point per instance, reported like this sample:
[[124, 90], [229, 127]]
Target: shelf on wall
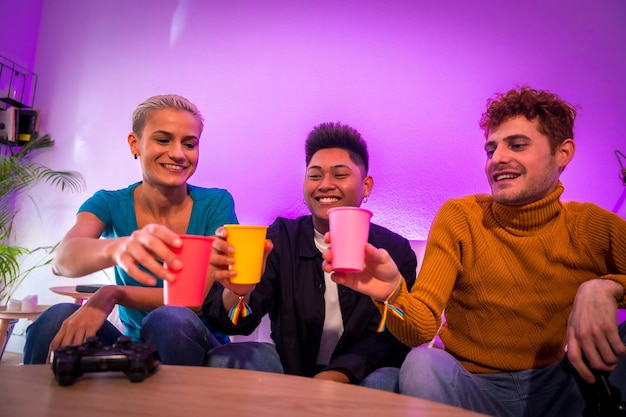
[[18, 120], [17, 84], [13, 143]]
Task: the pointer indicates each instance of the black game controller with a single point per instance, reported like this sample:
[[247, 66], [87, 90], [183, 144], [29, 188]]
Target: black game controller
[[136, 360], [601, 398]]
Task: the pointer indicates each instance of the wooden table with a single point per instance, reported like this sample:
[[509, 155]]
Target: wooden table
[[31, 390], [7, 316], [70, 291]]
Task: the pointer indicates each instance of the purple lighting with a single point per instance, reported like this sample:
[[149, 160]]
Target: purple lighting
[[412, 77]]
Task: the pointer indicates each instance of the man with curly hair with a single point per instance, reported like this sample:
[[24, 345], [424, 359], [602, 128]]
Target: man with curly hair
[[522, 278]]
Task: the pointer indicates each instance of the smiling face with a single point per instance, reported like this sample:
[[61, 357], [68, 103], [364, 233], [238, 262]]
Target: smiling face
[[333, 180], [521, 167], [168, 147]]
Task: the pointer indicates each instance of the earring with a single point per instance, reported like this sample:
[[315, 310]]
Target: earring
[[136, 156], [364, 199]]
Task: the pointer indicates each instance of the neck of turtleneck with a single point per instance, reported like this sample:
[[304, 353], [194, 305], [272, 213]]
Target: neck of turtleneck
[[529, 218]]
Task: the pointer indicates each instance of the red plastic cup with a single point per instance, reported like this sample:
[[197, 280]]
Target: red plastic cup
[[349, 229], [188, 287]]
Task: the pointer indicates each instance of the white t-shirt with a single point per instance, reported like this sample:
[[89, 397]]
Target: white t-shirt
[[333, 322]]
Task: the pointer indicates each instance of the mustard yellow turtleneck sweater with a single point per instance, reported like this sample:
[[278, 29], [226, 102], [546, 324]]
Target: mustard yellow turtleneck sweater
[[507, 277]]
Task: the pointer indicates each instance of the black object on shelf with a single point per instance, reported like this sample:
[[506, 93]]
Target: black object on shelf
[[17, 126]]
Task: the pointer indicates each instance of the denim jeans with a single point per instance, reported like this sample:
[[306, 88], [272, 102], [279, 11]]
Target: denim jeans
[[180, 336], [260, 356], [435, 375], [256, 356], [40, 333], [386, 379]]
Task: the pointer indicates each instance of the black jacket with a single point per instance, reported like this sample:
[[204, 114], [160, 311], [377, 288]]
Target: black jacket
[[292, 292]]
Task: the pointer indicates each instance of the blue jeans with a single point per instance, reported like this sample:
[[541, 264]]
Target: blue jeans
[[386, 379], [180, 336], [259, 356], [435, 375], [256, 356], [40, 333]]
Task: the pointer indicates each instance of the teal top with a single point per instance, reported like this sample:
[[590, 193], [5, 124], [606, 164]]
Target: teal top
[[212, 208]]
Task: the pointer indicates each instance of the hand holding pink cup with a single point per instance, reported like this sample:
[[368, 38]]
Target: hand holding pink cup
[[349, 229], [188, 287]]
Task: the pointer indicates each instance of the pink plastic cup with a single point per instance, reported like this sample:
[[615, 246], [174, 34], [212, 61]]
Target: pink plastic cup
[[188, 287], [349, 229]]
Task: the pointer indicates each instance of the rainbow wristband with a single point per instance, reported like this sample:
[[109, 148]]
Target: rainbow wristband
[[390, 308], [241, 309]]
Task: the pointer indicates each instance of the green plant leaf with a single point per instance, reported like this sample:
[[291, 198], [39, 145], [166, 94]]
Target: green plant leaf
[[18, 174]]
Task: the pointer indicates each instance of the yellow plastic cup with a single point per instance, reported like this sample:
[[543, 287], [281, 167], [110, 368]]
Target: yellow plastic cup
[[249, 244]]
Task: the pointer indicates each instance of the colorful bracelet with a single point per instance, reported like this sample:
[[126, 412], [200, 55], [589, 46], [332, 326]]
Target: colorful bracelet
[[241, 309], [390, 308]]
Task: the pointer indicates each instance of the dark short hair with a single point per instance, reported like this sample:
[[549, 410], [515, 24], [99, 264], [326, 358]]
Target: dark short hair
[[166, 101], [337, 135], [556, 117]]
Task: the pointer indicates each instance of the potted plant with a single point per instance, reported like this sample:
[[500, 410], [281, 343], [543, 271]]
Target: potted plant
[[18, 174]]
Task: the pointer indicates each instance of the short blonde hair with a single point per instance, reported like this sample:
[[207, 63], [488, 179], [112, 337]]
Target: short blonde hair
[[166, 101]]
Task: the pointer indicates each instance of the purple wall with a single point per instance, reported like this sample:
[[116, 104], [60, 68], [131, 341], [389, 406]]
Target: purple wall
[[19, 30], [412, 76]]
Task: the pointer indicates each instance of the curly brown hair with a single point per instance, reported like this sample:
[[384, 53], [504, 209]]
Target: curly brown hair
[[556, 117]]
